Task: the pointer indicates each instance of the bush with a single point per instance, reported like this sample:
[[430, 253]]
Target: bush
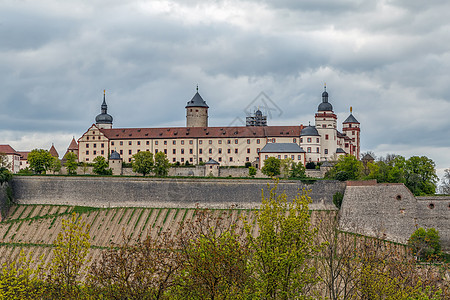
[[5, 175], [248, 164], [310, 165], [252, 171], [425, 244]]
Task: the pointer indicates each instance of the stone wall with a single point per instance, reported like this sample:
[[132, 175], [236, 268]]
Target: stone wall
[[391, 211], [3, 200], [158, 192]]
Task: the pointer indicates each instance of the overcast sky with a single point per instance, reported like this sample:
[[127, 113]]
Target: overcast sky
[[390, 60]]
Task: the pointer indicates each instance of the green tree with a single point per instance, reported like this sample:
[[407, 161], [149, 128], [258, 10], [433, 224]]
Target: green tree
[[71, 163], [55, 165], [5, 175], [69, 256], [162, 164], [143, 162], [101, 166], [40, 160], [281, 250], [421, 176], [347, 168], [214, 258], [285, 167], [251, 171], [271, 167], [297, 170], [425, 244], [445, 187]]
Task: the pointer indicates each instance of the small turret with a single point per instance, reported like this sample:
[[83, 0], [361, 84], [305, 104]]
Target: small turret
[[197, 112]]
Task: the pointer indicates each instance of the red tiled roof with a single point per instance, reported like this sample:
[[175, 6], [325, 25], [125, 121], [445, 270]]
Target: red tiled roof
[[73, 145], [7, 149], [23, 154], [202, 132], [53, 151]]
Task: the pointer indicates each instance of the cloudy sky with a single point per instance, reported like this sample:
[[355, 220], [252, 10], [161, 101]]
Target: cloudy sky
[[390, 60]]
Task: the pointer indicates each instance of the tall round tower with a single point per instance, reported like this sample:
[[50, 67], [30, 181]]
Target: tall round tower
[[104, 120], [197, 112], [326, 125], [352, 129]]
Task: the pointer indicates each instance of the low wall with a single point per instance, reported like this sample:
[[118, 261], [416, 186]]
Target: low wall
[[391, 211], [158, 192]]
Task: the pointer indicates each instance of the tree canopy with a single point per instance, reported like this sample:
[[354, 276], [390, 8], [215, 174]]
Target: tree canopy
[[40, 160], [272, 167], [162, 164], [143, 162], [71, 163], [101, 166]]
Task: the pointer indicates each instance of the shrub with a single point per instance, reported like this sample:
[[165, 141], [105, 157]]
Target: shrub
[[425, 244]]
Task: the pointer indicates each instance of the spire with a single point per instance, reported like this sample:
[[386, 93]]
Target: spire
[[351, 110], [104, 107], [197, 87], [325, 94]]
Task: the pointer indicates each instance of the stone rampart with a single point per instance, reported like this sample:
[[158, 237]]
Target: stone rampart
[[157, 192], [3, 200], [391, 211]]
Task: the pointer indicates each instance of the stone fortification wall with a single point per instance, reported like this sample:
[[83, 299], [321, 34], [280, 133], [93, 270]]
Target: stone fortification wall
[[391, 211], [157, 192], [3, 200]]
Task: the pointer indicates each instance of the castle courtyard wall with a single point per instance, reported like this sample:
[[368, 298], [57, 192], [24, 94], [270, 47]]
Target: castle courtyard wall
[[162, 192]]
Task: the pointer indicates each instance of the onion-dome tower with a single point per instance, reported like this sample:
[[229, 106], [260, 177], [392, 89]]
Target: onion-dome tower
[[104, 120]]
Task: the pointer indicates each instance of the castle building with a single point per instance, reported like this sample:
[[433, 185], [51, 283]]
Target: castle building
[[229, 146]]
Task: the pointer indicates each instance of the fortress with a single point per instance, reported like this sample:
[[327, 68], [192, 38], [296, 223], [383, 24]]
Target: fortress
[[389, 211], [227, 146]]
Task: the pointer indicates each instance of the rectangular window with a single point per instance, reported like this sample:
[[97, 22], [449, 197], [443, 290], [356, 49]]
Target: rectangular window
[[326, 151], [228, 141], [200, 142], [165, 142], [248, 141], [147, 143], [121, 152], [220, 158], [257, 150], [182, 142], [248, 150], [309, 149], [299, 157], [267, 156], [191, 151], [174, 142], [236, 141], [317, 140], [174, 151], [190, 159], [173, 159], [200, 159], [129, 143], [220, 150], [129, 151], [156, 151], [87, 145], [309, 140], [317, 150], [103, 152], [87, 152], [112, 143], [236, 150], [182, 151], [220, 142], [273, 140], [285, 156], [200, 151], [129, 160], [292, 157], [190, 142], [294, 140], [301, 140], [102, 145], [139, 143], [247, 159], [229, 151], [165, 151], [95, 152], [210, 142], [95, 145], [279, 156], [326, 136], [231, 158], [156, 142], [210, 151]]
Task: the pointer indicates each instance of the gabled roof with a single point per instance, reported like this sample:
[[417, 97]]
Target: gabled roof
[[7, 149], [282, 148], [23, 154], [73, 145], [202, 132], [350, 119], [368, 157], [340, 150], [53, 151]]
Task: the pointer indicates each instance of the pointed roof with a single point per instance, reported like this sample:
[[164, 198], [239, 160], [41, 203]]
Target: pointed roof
[[104, 117], [73, 145], [53, 151], [7, 149], [197, 101], [351, 119], [325, 105], [211, 162]]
